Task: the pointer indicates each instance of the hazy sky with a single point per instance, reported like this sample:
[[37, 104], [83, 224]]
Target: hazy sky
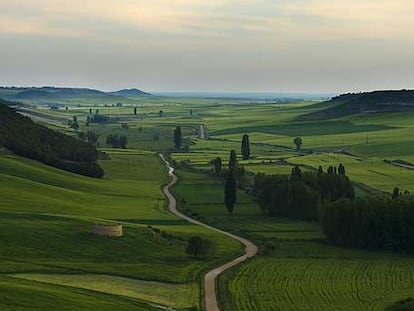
[[209, 45]]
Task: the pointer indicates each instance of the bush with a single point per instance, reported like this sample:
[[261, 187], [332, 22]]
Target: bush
[[199, 248], [269, 247]]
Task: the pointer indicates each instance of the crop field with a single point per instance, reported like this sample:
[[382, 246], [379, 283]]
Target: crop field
[[321, 283], [302, 273]]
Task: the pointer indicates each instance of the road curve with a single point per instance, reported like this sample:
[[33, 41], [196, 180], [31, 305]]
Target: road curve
[[210, 277]]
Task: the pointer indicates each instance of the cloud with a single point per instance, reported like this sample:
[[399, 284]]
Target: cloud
[[277, 20]]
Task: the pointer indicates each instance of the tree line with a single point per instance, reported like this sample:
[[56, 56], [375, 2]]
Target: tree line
[[29, 139], [372, 223], [300, 195]]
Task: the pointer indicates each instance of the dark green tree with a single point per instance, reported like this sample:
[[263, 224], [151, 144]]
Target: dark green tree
[[341, 169], [296, 172], [123, 140], [298, 142], [396, 193], [92, 137], [177, 138], [217, 166], [117, 141], [245, 147], [82, 136], [135, 110], [232, 161], [320, 170], [230, 193], [198, 247]]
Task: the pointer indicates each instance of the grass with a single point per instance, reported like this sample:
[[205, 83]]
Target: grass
[[303, 273], [30, 295], [178, 295], [47, 217]]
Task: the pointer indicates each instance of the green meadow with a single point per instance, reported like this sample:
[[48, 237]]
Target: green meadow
[[47, 215]]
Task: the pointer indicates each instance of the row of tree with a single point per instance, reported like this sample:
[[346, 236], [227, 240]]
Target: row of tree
[[371, 223], [300, 195], [29, 139]]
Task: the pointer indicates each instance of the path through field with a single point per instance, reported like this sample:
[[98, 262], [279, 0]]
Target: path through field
[[210, 277]]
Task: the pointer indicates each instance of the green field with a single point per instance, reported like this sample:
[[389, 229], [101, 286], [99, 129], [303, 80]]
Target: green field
[[47, 217], [303, 273]]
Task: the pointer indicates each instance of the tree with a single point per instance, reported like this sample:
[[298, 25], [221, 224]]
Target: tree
[[320, 170], [177, 138], [396, 193], [245, 147], [230, 193], [341, 169], [82, 136], [92, 137], [74, 124], [198, 247], [135, 110], [117, 141], [217, 166], [298, 142], [232, 161], [296, 172], [123, 140]]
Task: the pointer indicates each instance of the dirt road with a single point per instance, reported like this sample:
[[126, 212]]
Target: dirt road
[[210, 277]]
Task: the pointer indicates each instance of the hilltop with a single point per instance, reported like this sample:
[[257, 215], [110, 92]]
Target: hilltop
[[64, 93], [130, 93], [357, 103]]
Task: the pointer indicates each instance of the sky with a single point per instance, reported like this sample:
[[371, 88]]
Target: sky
[[316, 46]]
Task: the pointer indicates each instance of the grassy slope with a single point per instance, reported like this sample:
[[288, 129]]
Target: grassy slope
[[28, 295], [55, 212]]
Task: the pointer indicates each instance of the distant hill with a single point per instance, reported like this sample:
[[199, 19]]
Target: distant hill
[[130, 93], [33, 93], [372, 102], [51, 93], [31, 140]]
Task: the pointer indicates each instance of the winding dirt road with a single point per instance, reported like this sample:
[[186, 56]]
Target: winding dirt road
[[210, 277]]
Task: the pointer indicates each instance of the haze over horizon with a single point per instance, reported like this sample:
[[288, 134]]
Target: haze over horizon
[[316, 46]]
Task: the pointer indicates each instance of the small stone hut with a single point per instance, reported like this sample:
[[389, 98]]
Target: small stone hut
[[109, 231]]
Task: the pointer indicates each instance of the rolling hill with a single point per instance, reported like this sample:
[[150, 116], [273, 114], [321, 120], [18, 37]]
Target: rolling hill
[[49, 93], [130, 93], [372, 102]]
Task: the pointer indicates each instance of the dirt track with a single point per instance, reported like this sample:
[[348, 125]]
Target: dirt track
[[210, 277]]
